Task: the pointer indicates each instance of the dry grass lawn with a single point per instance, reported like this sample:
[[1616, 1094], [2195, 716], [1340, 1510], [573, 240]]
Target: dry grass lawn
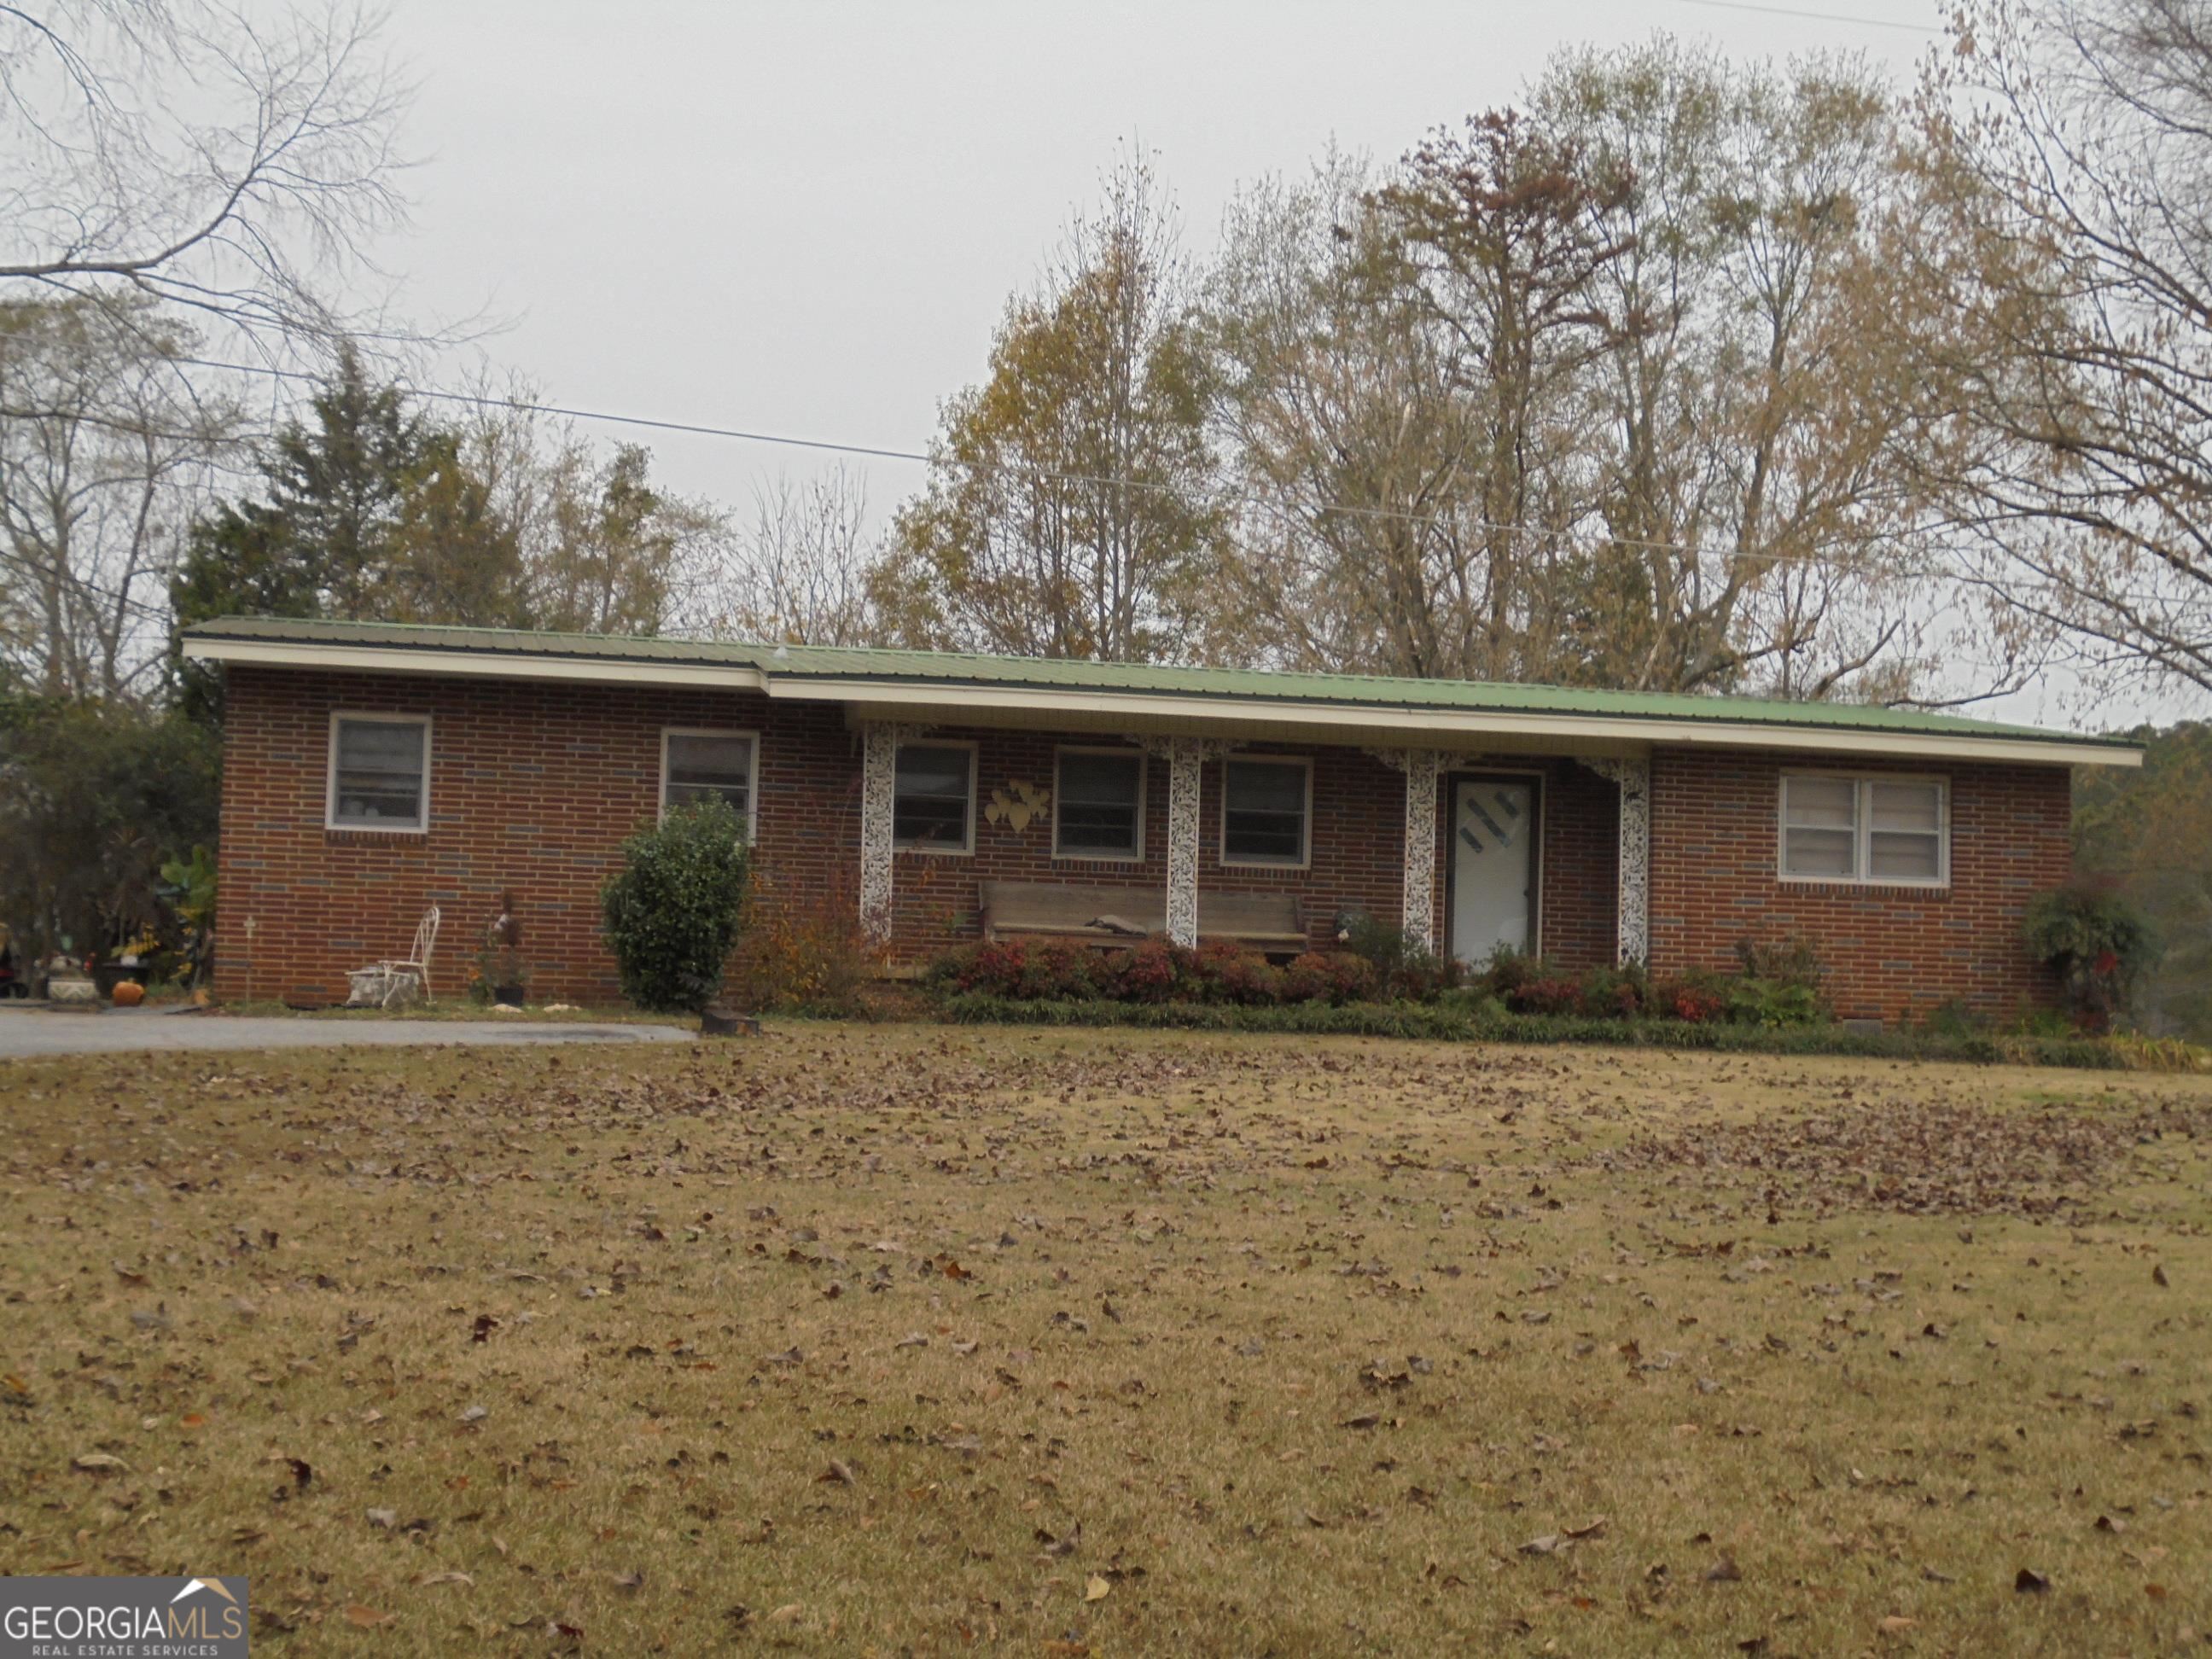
[[905, 1340]]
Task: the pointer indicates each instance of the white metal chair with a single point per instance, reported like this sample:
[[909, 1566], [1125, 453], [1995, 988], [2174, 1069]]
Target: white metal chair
[[396, 979]]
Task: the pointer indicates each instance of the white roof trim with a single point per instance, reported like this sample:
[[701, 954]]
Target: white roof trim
[[1472, 724], [1434, 725], [484, 665]]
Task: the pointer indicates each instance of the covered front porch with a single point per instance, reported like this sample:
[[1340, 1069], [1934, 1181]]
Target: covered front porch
[[1272, 841]]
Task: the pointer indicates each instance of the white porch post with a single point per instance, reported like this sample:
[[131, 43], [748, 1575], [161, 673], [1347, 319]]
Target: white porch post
[[879, 742], [1417, 907], [1185, 756], [1634, 778]]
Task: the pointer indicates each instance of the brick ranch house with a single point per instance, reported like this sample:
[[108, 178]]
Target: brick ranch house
[[372, 770]]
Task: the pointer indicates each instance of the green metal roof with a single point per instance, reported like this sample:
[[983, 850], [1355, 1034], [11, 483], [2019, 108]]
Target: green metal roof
[[955, 669]]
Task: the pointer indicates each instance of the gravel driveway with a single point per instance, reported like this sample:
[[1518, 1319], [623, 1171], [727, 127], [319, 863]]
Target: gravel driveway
[[29, 1031]]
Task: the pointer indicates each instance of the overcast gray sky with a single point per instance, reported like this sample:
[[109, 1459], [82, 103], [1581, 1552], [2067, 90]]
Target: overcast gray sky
[[806, 218]]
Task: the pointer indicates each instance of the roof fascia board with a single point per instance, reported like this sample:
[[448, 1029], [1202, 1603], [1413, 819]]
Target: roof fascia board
[[488, 664], [1471, 723]]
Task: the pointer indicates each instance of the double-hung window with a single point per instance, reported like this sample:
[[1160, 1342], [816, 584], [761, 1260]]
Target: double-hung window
[[380, 773], [695, 764], [1099, 805], [1265, 807], [1886, 831], [933, 799]]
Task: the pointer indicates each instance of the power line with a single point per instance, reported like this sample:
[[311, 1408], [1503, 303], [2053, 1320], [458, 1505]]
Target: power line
[[1764, 556], [1812, 16]]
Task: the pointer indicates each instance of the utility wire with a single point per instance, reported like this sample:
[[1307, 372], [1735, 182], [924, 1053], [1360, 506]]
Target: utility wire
[[1812, 16], [478, 400]]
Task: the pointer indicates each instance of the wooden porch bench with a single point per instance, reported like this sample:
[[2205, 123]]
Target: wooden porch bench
[[1104, 916]]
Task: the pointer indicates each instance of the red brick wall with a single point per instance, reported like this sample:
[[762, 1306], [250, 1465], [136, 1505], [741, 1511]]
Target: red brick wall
[[533, 787], [1891, 951]]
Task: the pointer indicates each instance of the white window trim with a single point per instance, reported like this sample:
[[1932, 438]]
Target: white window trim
[[1144, 786], [974, 766], [1862, 829], [1304, 860], [381, 827], [752, 777]]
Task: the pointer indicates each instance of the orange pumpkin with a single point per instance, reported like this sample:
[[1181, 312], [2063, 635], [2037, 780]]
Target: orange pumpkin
[[127, 994]]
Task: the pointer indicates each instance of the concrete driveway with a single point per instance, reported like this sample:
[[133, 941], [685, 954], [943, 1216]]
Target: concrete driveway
[[25, 1032]]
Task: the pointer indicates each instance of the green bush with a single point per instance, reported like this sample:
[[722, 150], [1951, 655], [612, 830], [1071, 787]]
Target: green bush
[[1405, 967], [1461, 1019], [2097, 944], [673, 910]]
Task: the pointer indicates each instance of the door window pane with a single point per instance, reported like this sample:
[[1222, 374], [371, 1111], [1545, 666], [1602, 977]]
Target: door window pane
[[1264, 811], [377, 774], [1100, 805], [929, 808]]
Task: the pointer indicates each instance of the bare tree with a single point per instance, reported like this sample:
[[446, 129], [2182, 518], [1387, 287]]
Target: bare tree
[[1069, 509], [104, 459], [799, 574], [181, 152], [2074, 143]]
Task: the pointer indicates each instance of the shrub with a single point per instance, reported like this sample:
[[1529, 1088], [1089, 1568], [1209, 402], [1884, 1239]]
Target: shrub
[[1555, 994], [1404, 966], [804, 948], [1696, 1001], [1332, 976], [2097, 944], [1615, 993], [1151, 972], [1229, 973], [672, 912]]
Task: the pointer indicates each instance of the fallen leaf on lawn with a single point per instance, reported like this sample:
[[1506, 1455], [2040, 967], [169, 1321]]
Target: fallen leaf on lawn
[[789, 1613], [1895, 1623], [2029, 1581], [1592, 1529], [384, 1518], [96, 1461], [446, 1579], [2158, 1276], [363, 1617], [1724, 1571], [1548, 1544], [1096, 1589], [839, 1473]]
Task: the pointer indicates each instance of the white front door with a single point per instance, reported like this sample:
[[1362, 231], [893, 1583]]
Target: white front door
[[1493, 842]]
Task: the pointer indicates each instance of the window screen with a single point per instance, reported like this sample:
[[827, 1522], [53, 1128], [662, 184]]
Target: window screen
[[929, 808], [377, 770], [1099, 805], [1263, 818], [703, 763]]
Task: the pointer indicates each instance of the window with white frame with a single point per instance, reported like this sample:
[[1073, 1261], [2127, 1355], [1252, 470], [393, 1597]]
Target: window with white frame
[[695, 764], [1884, 830], [934, 800], [380, 773], [1264, 810], [1099, 805]]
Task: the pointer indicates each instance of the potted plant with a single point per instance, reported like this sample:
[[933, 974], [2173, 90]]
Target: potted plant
[[501, 977]]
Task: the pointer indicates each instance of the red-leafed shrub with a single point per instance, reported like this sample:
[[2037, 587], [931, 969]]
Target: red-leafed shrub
[[1554, 995], [1229, 973], [1684, 999], [1155, 971], [1333, 976]]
